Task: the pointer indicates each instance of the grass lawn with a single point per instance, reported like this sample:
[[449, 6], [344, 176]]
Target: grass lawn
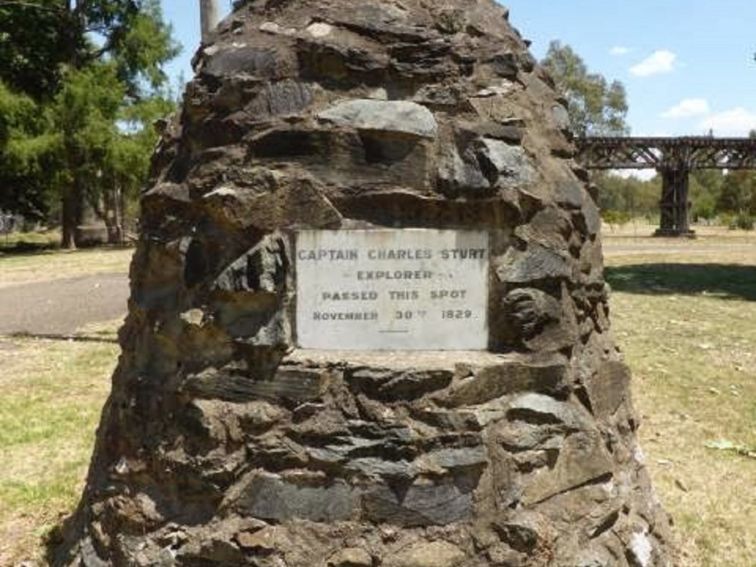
[[683, 312], [51, 394], [17, 269], [686, 321], [29, 241]]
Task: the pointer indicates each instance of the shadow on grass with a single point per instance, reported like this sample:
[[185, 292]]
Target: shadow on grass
[[32, 250], [23, 248], [728, 281], [64, 338]]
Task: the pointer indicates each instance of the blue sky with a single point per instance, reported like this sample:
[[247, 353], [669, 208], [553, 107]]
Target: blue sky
[[687, 65], [184, 17]]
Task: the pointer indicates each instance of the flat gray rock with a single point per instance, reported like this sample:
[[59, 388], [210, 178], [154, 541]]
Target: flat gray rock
[[383, 116]]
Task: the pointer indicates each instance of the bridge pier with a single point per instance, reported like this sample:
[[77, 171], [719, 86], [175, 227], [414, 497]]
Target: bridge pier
[[675, 205], [674, 159]]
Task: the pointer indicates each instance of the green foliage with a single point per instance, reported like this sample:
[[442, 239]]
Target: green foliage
[[742, 221], [143, 48], [85, 112], [738, 193], [80, 84], [28, 242], [729, 197], [26, 154], [705, 187], [38, 38], [130, 155], [86, 108], [34, 42], [106, 143], [19, 119], [631, 197], [616, 218], [596, 107]]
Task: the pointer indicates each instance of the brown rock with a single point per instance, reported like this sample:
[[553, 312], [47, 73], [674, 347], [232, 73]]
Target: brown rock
[[264, 542], [582, 459], [351, 557], [491, 382], [431, 554], [609, 388]]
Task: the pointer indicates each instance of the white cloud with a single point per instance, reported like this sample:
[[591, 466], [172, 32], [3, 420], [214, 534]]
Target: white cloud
[[619, 50], [734, 122], [659, 62], [688, 108]]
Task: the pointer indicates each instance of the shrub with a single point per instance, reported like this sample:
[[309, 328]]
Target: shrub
[[614, 218], [743, 221]]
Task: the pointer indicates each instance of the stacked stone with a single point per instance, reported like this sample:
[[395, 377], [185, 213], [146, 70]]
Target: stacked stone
[[224, 444]]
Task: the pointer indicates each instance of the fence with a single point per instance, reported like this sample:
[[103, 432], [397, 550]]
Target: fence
[[10, 222]]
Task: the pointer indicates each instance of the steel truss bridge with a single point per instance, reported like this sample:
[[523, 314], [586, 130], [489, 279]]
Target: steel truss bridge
[[674, 159]]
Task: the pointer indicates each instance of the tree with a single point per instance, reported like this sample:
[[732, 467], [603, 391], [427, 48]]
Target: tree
[[96, 60], [622, 197], [596, 107], [33, 46], [705, 188], [738, 193], [25, 155]]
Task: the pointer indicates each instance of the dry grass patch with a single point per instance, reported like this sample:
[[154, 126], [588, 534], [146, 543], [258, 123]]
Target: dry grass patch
[[688, 332], [52, 394], [17, 269]]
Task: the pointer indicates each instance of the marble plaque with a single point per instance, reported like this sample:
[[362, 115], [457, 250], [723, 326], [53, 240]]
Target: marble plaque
[[409, 289]]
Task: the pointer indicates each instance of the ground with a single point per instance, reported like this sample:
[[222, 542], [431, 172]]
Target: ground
[[61, 307], [683, 313], [23, 269]]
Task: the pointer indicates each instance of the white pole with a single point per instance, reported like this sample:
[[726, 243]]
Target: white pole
[[208, 17]]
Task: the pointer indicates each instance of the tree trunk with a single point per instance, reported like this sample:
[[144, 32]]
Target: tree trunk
[[122, 213], [73, 206], [113, 217], [70, 213]]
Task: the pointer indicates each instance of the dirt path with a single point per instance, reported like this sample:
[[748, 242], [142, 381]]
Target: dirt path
[[60, 307]]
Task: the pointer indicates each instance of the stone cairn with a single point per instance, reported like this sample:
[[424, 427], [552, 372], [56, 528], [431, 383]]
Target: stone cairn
[[222, 443]]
